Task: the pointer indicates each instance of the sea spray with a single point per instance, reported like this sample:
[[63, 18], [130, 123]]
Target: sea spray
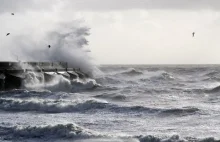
[[57, 131], [35, 81], [30, 37]]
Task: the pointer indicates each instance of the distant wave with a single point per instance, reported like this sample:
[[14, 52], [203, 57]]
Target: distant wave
[[204, 90], [112, 96], [49, 106], [213, 90], [190, 70], [157, 90], [211, 73], [162, 76], [133, 76], [132, 72], [214, 78], [180, 111], [124, 72], [109, 80], [156, 75], [160, 111], [174, 138], [86, 106], [211, 76]]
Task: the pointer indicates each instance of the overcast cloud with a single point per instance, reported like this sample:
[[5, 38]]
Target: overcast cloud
[[145, 4], [25, 5], [145, 31], [107, 5]]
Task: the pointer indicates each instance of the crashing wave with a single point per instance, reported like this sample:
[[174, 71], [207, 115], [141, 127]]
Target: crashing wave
[[60, 83], [73, 132], [60, 106], [50, 106], [58, 131]]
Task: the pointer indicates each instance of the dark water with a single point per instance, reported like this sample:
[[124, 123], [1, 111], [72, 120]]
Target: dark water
[[124, 104]]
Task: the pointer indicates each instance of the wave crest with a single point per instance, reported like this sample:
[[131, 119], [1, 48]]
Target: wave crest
[[163, 76], [205, 90], [60, 106], [130, 72], [50, 106], [174, 138], [213, 90], [57, 131]]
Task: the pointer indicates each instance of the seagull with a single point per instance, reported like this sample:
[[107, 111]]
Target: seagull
[[12, 14], [48, 46], [193, 34], [7, 34]]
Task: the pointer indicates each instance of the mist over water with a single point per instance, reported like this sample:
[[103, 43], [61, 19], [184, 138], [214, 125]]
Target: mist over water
[[29, 40], [32, 32], [67, 45]]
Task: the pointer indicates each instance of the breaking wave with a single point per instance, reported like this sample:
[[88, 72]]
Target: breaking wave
[[74, 132], [60, 106], [49, 106], [60, 83], [133, 76], [151, 75], [174, 138], [58, 131]]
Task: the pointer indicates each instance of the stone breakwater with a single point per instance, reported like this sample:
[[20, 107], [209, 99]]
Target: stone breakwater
[[13, 74]]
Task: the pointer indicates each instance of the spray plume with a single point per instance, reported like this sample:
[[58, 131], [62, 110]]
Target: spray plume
[[31, 37]]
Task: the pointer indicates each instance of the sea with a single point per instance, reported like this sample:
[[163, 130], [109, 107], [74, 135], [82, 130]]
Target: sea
[[123, 103]]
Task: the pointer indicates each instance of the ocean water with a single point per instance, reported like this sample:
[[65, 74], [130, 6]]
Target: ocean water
[[126, 103]]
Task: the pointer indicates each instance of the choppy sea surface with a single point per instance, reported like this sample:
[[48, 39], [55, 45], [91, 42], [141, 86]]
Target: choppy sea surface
[[126, 103]]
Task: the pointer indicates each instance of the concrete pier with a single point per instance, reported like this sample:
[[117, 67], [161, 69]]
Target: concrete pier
[[12, 74]]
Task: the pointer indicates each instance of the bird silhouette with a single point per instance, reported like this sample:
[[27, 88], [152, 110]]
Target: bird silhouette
[[12, 14], [193, 34], [49, 46], [7, 34]]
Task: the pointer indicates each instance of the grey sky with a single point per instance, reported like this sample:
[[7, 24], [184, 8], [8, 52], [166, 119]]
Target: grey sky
[[25, 5], [144, 4], [124, 31], [106, 5]]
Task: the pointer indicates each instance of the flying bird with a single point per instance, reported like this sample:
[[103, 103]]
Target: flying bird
[[48, 46], [12, 14], [193, 34], [7, 34]]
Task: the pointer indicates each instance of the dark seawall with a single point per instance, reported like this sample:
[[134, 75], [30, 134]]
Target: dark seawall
[[12, 74]]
